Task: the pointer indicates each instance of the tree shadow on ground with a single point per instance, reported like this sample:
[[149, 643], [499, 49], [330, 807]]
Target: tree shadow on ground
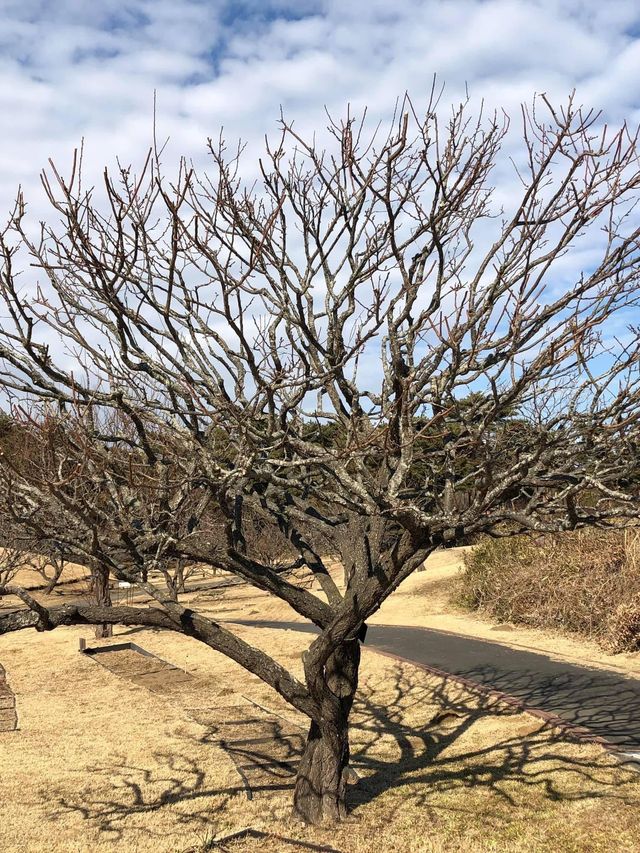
[[605, 703], [433, 756], [410, 732]]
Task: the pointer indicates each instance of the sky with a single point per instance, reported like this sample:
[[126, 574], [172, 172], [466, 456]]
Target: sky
[[73, 70]]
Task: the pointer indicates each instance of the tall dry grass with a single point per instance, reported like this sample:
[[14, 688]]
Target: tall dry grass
[[585, 581]]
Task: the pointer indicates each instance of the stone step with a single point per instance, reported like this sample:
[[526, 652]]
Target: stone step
[[8, 720], [8, 715]]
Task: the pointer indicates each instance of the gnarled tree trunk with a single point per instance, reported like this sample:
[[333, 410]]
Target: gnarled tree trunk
[[321, 782]]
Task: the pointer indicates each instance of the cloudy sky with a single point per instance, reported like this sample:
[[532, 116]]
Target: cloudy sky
[[73, 69]]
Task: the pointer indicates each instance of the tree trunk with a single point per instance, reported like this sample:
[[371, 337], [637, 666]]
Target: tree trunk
[[180, 587], [102, 597], [172, 585], [321, 781]]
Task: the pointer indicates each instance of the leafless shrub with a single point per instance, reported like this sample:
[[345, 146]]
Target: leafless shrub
[[623, 628], [175, 574], [584, 581], [49, 566], [20, 551]]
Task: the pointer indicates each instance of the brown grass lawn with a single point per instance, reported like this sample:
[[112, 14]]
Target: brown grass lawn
[[102, 763], [29, 578]]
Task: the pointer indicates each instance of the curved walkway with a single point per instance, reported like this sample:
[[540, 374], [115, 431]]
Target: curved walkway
[[606, 703]]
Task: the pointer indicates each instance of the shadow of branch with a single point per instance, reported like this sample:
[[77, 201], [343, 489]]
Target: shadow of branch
[[410, 732]]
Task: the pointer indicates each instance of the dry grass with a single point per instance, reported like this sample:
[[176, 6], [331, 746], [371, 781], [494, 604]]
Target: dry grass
[[101, 763], [587, 582], [29, 578]]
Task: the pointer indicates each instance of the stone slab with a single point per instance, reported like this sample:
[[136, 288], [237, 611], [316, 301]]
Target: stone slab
[[8, 720], [8, 715]]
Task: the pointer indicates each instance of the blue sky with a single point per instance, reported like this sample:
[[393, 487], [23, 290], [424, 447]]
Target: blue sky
[[71, 69]]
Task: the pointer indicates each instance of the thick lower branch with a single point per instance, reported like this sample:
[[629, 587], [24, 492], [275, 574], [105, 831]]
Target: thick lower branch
[[262, 577], [47, 619], [189, 623]]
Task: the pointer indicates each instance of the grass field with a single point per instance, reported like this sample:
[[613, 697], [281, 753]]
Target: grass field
[[101, 762]]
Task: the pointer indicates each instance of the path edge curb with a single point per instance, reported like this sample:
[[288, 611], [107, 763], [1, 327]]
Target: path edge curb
[[579, 733]]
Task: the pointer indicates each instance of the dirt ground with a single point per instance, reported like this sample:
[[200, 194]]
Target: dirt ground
[[103, 761], [100, 762]]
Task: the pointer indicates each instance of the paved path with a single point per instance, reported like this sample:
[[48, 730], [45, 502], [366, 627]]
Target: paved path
[[606, 703]]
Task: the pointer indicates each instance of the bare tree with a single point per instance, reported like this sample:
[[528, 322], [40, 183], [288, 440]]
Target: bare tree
[[40, 452], [50, 567], [11, 561], [300, 351]]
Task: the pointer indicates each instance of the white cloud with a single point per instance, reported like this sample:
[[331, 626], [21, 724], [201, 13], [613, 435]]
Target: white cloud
[[73, 69]]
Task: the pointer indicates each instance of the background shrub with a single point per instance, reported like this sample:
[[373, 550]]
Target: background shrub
[[585, 581]]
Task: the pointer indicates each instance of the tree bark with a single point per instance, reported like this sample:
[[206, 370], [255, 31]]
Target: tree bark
[[172, 586], [180, 587], [102, 598], [321, 781], [175, 581]]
